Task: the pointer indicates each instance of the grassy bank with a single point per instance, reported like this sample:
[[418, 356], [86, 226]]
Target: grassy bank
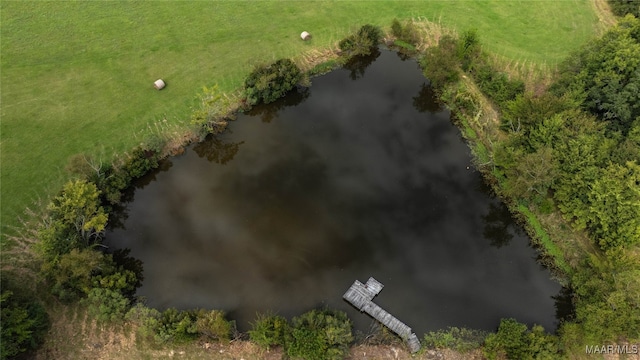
[[76, 77]]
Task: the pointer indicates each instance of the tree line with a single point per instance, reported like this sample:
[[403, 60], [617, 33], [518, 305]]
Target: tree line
[[573, 149]]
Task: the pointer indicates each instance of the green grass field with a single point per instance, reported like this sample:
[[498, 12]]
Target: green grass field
[[76, 77]]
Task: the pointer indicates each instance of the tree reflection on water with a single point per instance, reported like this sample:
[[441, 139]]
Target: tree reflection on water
[[213, 148]]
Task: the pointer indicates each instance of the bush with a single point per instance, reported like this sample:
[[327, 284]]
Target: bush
[[319, 335], [396, 28], [24, 322], [175, 326], [623, 7], [107, 304], [70, 276], [408, 33], [496, 85], [362, 42], [468, 48], [212, 324], [514, 341], [458, 339], [118, 177], [269, 330], [371, 33], [268, 83], [76, 220], [440, 63]]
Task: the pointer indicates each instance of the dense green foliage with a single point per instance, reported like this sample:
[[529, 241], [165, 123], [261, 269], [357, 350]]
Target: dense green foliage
[[573, 150], [586, 161], [175, 326], [577, 148], [106, 304], [458, 339], [362, 42], [117, 177], [269, 330], [23, 323], [319, 335], [268, 83], [76, 220], [624, 7], [493, 83], [516, 341], [440, 63], [407, 33], [606, 73]]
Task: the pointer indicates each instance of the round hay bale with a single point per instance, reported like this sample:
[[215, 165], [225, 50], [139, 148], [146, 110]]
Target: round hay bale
[[159, 84], [305, 36]]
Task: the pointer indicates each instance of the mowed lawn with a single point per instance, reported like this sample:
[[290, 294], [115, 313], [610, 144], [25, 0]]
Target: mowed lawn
[[76, 77]]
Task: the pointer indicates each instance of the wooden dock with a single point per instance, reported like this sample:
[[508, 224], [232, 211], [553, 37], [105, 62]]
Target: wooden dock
[[361, 295]]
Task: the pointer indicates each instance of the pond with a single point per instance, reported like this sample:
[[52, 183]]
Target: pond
[[361, 175]]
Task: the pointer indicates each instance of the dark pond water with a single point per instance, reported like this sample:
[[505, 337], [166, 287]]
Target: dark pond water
[[362, 175]]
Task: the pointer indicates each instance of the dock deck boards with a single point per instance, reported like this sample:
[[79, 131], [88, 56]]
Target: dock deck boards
[[361, 295]]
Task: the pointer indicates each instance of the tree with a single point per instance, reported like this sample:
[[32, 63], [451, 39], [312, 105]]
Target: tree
[[533, 175], [71, 274], [607, 72], [624, 7], [23, 323], [76, 219], [16, 327], [267, 83], [362, 42]]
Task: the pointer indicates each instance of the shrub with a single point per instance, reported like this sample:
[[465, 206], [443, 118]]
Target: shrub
[[269, 330], [440, 64], [175, 326], [623, 7], [371, 33], [459, 339], [71, 275], [496, 85], [362, 42], [107, 304], [213, 107], [212, 324], [514, 341], [269, 83], [23, 323], [118, 177], [147, 319], [140, 162], [468, 48], [408, 33], [76, 220], [396, 28], [319, 335]]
